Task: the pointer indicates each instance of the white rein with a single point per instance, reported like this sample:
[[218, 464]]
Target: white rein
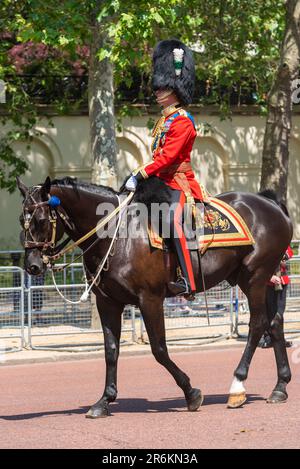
[[88, 288]]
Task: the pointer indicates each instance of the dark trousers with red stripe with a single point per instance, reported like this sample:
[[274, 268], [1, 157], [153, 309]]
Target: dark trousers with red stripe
[[179, 239], [275, 301]]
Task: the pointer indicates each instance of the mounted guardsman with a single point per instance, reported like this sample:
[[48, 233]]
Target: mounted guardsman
[[173, 138]]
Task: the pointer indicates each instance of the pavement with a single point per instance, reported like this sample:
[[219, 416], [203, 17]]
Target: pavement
[[60, 353], [43, 405], [67, 351]]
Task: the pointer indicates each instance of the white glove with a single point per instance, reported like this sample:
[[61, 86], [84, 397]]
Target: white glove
[[131, 184]]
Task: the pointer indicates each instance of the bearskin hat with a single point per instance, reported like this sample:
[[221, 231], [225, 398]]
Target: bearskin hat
[[174, 68]]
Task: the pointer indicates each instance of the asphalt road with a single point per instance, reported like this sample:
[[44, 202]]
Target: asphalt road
[[44, 405]]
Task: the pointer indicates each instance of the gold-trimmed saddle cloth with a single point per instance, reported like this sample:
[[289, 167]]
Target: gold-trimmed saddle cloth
[[221, 226]]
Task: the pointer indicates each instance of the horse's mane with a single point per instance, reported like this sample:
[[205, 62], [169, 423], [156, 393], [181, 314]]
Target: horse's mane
[[86, 186], [152, 190]]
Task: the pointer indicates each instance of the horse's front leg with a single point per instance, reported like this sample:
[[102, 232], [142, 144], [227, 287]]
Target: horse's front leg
[[153, 315], [110, 314]]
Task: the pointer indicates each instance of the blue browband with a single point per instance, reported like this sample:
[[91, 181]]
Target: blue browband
[[54, 201]]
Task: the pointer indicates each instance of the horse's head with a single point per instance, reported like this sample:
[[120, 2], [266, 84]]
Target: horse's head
[[41, 228]]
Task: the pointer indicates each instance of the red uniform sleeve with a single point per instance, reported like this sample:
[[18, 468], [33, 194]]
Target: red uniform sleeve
[[181, 130]]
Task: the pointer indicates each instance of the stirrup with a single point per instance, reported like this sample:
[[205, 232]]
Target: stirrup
[[181, 288]]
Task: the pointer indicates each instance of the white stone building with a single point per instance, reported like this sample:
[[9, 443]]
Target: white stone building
[[227, 158]]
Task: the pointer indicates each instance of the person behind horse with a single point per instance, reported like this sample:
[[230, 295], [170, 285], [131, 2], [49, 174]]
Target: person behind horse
[[173, 138], [278, 284]]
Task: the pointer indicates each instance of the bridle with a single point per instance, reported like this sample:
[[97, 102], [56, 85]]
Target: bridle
[[54, 212], [53, 204], [29, 211]]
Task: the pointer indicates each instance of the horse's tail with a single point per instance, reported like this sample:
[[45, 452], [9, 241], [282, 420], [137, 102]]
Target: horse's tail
[[271, 195], [284, 209]]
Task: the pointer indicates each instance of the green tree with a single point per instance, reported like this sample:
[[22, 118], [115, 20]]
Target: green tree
[[275, 159], [235, 43]]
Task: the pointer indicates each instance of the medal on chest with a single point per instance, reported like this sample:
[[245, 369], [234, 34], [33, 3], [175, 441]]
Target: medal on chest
[[156, 133], [161, 128]]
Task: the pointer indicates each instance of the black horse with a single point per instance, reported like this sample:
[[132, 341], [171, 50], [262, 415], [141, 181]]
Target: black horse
[[139, 275]]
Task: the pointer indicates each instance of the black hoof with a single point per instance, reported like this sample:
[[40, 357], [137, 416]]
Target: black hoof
[[277, 397], [98, 412], [194, 399]]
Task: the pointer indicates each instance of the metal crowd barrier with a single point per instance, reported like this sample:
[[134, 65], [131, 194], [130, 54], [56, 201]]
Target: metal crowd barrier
[[12, 333], [187, 322], [32, 313], [49, 315], [292, 310]]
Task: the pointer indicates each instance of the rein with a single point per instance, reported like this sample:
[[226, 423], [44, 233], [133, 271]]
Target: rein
[[95, 278], [104, 221], [49, 259]]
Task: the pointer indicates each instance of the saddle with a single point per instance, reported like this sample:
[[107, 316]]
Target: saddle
[[219, 225]]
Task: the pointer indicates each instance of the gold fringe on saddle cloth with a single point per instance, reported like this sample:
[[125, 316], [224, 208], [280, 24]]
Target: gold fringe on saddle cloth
[[221, 226]]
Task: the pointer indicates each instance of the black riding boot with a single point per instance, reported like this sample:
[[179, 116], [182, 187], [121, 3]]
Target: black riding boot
[[185, 283]]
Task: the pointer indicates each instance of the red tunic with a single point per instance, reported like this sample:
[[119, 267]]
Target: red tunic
[[176, 149], [285, 279]]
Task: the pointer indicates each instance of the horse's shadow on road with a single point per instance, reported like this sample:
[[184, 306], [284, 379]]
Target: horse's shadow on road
[[170, 405], [136, 405]]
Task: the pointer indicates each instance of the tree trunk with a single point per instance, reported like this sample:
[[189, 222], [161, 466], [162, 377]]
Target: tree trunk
[[101, 113], [275, 158]]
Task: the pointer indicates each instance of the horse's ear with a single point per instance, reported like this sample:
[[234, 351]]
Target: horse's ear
[[22, 188], [46, 188]]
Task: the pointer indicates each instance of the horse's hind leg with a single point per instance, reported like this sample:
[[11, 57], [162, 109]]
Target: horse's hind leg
[[110, 314], [279, 393], [258, 324], [153, 315]]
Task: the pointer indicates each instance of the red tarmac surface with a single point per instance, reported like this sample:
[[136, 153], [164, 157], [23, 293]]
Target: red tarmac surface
[[44, 405]]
